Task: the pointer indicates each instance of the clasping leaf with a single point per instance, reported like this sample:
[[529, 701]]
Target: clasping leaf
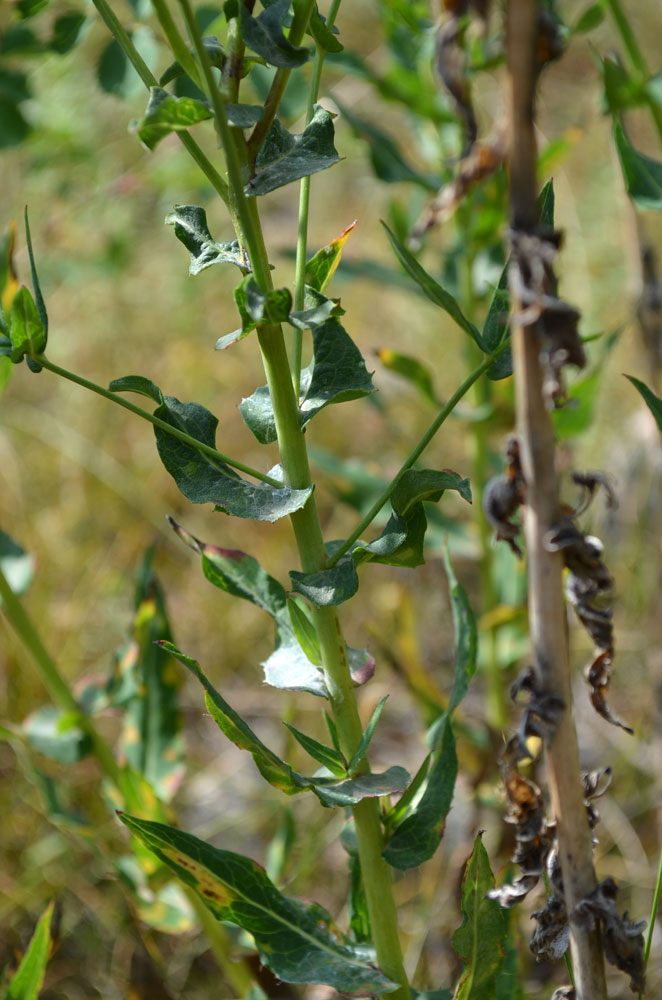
[[284, 157]]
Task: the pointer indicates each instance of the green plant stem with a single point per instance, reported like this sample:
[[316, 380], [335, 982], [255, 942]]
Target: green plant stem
[[636, 56], [413, 456], [302, 11], [234, 54], [142, 69], [175, 40], [651, 923], [53, 680], [304, 205], [205, 449]]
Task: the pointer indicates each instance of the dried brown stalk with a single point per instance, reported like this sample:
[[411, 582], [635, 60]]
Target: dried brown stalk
[[546, 605]]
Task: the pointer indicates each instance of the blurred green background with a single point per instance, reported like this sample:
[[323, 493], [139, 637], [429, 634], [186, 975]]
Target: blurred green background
[[84, 492]]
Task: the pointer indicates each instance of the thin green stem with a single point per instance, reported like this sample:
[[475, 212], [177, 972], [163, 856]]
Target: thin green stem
[[651, 922], [176, 42], [302, 11], [204, 449], [304, 205], [636, 56], [52, 679], [234, 54], [123, 39], [413, 456]]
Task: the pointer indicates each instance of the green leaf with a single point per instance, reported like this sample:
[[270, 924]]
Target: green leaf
[[190, 223], [318, 308], [432, 289], [589, 19], [336, 374], [401, 541], [328, 586], [26, 981], [255, 307], [66, 32], [480, 940], [366, 737], [397, 812], [55, 734], [576, 414], [348, 793], [642, 175], [166, 114], [242, 576], [325, 38], [17, 565], [145, 685], [357, 904], [387, 160], [115, 74], [202, 478], [271, 767], [653, 402], [466, 636], [621, 91], [137, 383], [296, 941], [496, 329], [264, 35], [322, 266], [284, 158], [243, 115], [410, 369], [326, 756], [14, 127], [417, 837], [26, 329], [305, 632]]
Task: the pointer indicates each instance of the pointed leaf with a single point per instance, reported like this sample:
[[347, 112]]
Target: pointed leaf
[[432, 288], [190, 223], [325, 38], [481, 938], [140, 384], [166, 114], [318, 308], [366, 737], [328, 586], [642, 175], [296, 941], [26, 981], [348, 793], [397, 813], [285, 158], [264, 35], [466, 635], [417, 837], [322, 266], [38, 297], [324, 755], [653, 402], [305, 632], [271, 767], [66, 31], [204, 479], [336, 374]]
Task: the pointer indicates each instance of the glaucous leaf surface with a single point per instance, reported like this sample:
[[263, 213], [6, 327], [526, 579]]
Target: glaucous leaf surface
[[297, 941], [264, 34], [201, 477], [190, 225], [284, 157]]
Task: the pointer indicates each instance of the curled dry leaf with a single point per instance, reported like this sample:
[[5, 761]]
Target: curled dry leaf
[[503, 495], [451, 67], [533, 282], [551, 937], [588, 588], [623, 941]]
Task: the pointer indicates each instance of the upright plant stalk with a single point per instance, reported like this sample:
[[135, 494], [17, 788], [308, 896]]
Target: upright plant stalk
[[636, 56], [547, 613], [309, 539]]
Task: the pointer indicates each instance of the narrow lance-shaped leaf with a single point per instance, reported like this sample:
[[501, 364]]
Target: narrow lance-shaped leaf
[[326, 756], [190, 225], [284, 157], [296, 941], [367, 735], [264, 34], [201, 477], [653, 402], [322, 266], [480, 940], [304, 631], [26, 981], [432, 288], [466, 635], [241, 575]]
